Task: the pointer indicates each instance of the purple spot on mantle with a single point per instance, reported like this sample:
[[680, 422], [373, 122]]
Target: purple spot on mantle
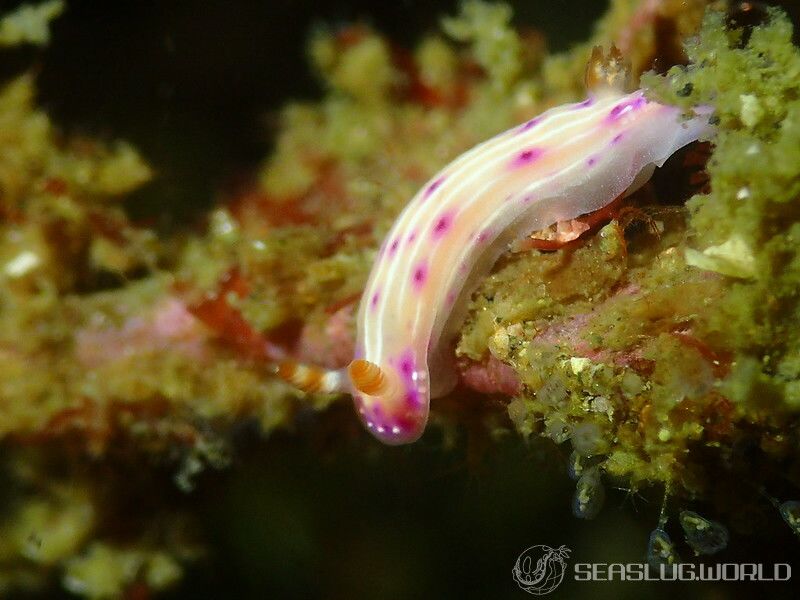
[[442, 225], [393, 247], [373, 303], [624, 108], [527, 126], [586, 103], [617, 138], [406, 366], [591, 162], [526, 157], [420, 275], [378, 414], [434, 185], [483, 236], [412, 398], [412, 236]]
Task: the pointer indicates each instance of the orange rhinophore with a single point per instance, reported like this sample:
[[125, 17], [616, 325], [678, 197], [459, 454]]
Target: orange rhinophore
[[367, 377]]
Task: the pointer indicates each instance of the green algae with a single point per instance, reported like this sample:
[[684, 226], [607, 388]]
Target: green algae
[[494, 43], [30, 24], [755, 187]]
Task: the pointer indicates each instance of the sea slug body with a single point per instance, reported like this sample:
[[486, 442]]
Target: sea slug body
[[569, 161]]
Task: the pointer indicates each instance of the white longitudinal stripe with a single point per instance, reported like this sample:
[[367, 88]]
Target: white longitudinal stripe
[[487, 157]]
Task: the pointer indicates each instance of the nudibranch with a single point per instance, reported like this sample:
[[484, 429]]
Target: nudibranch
[[569, 161]]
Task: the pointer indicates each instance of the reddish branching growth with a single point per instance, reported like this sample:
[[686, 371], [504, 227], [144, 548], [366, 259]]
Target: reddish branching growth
[[232, 329]]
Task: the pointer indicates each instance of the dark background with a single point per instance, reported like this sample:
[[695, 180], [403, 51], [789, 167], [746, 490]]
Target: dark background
[[195, 85]]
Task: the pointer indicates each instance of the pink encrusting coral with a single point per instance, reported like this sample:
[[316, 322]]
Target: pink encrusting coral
[[168, 325], [491, 376]]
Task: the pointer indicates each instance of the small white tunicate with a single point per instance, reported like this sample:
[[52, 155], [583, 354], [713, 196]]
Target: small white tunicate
[[587, 439], [575, 466], [222, 223], [661, 550], [790, 511], [751, 112], [578, 364], [552, 392], [703, 535], [501, 342], [589, 494], [558, 430], [602, 405], [22, 264]]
